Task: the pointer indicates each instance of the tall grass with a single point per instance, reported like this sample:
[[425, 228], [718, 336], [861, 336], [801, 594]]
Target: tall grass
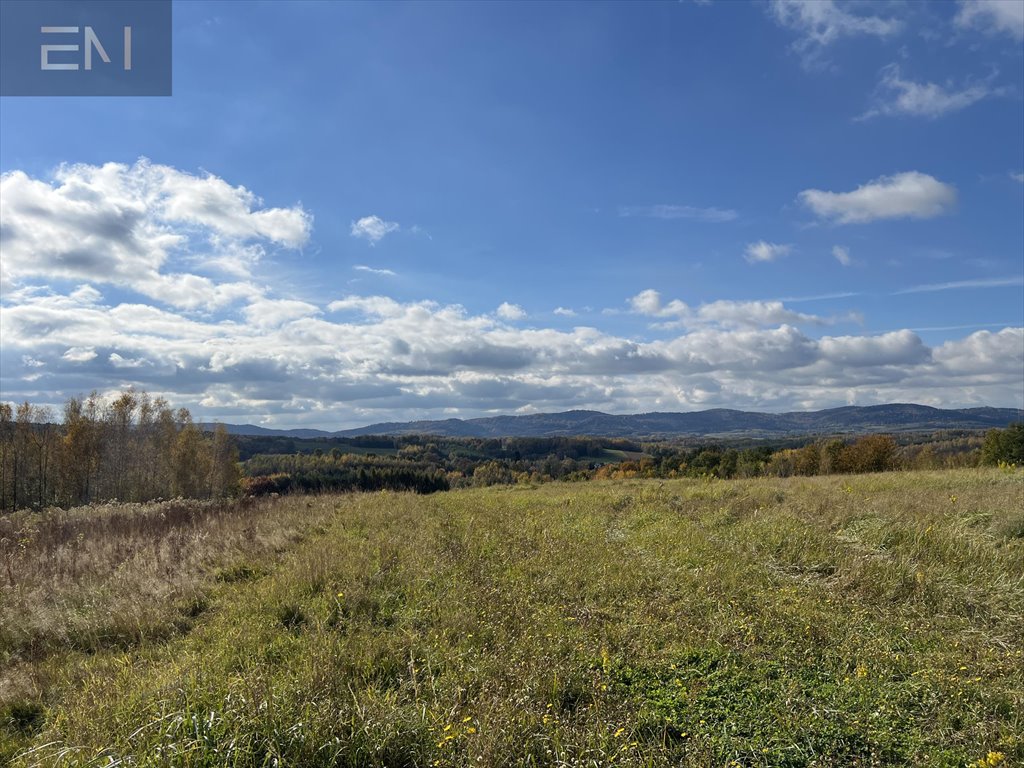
[[869, 620]]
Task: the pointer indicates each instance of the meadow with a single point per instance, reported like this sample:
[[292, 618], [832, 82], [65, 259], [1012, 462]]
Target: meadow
[[867, 620]]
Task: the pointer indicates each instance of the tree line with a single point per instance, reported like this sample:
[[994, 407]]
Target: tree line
[[132, 447], [869, 453], [339, 473]]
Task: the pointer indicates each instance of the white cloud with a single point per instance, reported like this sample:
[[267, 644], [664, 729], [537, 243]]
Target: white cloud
[[985, 282], [565, 312], [375, 306], [375, 270], [993, 16], [379, 359], [716, 215], [896, 96], [511, 311], [648, 303], [842, 255], [741, 314], [118, 361], [902, 195], [721, 314], [764, 251], [895, 348], [373, 228], [984, 354], [285, 361], [1017, 177], [86, 294], [272, 313], [822, 22], [139, 227], [80, 354]]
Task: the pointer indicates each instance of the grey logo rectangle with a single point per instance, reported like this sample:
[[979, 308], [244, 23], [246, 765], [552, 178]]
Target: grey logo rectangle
[[85, 48]]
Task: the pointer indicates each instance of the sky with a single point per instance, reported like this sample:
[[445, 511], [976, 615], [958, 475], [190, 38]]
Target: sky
[[359, 212]]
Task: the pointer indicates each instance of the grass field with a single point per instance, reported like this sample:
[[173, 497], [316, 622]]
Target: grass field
[[831, 621]]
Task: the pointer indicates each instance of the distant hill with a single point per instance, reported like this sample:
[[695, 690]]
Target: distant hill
[[253, 430], [898, 417]]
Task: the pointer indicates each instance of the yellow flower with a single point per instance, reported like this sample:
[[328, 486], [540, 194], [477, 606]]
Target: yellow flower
[[990, 760]]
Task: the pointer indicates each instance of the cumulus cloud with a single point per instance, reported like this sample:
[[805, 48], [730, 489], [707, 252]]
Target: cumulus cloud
[[511, 311], [822, 22], [993, 17], [984, 354], [738, 314], [271, 313], [715, 215], [762, 251], [902, 195], [565, 312], [649, 303], [896, 96], [373, 228], [136, 226], [723, 313], [842, 255]]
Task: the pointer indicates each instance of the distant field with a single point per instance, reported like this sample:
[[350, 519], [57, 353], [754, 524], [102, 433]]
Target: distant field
[[871, 620], [612, 455]]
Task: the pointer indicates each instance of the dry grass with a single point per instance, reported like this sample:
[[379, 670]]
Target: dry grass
[[869, 620], [77, 582]]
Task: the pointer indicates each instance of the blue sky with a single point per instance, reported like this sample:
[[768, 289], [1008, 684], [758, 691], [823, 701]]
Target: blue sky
[[350, 213]]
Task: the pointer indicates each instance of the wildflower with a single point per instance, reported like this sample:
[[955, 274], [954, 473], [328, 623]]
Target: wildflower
[[619, 732], [991, 759]]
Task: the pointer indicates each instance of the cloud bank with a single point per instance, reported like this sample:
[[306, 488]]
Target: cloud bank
[[98, 295]]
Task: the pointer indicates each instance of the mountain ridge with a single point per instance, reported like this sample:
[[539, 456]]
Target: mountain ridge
[[716, 422]]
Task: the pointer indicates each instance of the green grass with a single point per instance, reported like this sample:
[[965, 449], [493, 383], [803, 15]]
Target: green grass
[[835, 621]]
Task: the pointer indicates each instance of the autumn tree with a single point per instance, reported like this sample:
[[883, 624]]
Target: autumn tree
[[133, 448]]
